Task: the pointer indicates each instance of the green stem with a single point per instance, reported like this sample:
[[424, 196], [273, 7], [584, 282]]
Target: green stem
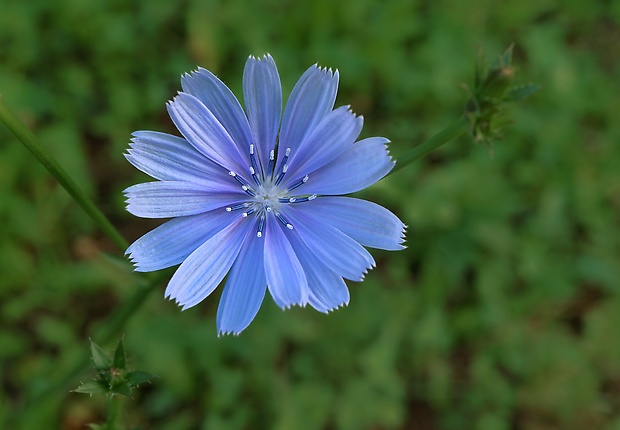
[[30, 141], [114, 412], [456, 129]]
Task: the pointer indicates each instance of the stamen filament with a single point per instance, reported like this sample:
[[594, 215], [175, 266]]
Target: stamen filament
[[284, 167], [283, 220], [299, 183], [272, 157], [254, 168], [300, 199], [237, 207], [261, 226]]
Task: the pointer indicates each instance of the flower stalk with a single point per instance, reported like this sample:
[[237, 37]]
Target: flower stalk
[[454, 130], [30, 141]]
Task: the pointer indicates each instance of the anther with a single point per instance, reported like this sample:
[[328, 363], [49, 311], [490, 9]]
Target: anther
[[284, 166], [237, 206], [254, 167], [272, 158], [300, 199], [299, 183], [249, 212], [283, 220], [261, 226]]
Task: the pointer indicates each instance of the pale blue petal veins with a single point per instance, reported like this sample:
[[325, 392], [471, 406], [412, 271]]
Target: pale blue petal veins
[[367, 223], [336, 250], [334, 135], [218, 98], [172, 242], [245, 288], [262, 93], [363, 164], [203, 130], [171, 158], [205, 268], [169, 199], [286, 279], [328, 291], [312, 99]]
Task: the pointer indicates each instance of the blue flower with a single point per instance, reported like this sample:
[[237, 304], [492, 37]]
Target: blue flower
[[256, 195]]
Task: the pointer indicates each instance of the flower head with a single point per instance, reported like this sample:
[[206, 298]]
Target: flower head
[[256, 194]]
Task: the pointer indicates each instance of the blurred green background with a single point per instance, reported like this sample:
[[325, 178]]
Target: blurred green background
[[504, 311]]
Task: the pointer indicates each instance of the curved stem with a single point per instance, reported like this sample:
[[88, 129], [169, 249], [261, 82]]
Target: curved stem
[[454, 130], [30, 141]]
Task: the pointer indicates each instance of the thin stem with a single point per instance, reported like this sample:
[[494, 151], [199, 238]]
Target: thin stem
[[114, 412], [456, 129], [30, 141]]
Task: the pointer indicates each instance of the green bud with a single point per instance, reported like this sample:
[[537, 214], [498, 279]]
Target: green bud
[[113, 377], [491, 93]]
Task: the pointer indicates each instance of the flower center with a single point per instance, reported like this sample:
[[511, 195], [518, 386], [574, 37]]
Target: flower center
[[267, 196]]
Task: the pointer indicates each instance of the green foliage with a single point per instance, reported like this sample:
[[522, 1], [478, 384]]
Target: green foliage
[[501, 314], [113, 377]]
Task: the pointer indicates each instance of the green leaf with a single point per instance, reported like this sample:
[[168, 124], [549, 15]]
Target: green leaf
[[121, 388], [522, 91], [137, 378], [92, 387], [120, 359], [101, 360]]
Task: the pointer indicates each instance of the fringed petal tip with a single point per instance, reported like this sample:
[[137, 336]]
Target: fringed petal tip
[[403, 236], [328, 71], [265, 57], [335, 308], [288, 306], [221, 333]]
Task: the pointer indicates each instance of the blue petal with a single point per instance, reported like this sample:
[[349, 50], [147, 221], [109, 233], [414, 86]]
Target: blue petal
[[218, 98], [245, 288], [262, 93], [366, 222], [327, 290], [169, 199], [334, 135], [285, 277], [205, 268], [312, 98], [203, 130], [362, 165], [172, 242], [336, 250], [170, 158]]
